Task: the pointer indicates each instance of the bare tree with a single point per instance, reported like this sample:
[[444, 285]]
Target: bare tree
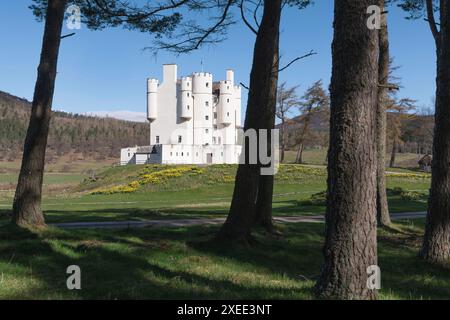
[[286, 99], [399, 111], [313, 101]]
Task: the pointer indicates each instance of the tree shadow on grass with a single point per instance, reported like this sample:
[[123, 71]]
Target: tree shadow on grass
[[296, 255], [117, 265], [183, 263], [98, 215]]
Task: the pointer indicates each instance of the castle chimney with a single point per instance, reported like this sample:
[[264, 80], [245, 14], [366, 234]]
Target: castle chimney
[[230, 75], [170, 73]]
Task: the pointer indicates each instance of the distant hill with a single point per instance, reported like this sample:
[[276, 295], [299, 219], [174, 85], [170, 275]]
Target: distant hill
[[84, 137]]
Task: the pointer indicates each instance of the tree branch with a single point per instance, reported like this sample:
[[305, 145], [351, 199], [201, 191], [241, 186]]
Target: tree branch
[[389, 86], [244, 86], [432, 21], [255, 12], [68, 35], [311, 53], [245, 19]]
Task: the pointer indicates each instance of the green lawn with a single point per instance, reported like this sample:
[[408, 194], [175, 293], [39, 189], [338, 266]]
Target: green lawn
[[184, 263], [49, 178], [199, 194]]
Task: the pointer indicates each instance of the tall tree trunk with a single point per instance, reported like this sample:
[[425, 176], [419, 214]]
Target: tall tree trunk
[[393, 152], [260, 114], [436, 243], [351, 225], [383, 75], [27, 201]]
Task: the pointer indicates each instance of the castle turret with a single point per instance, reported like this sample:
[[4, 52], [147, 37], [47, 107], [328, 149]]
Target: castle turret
[[187, 100], [226, 100], [152, 99]]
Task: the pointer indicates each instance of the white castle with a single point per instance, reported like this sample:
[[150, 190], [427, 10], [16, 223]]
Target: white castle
[[193, 120]]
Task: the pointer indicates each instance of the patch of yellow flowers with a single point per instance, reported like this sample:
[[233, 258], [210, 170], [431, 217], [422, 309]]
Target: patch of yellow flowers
[[147, 176], [408, 175]]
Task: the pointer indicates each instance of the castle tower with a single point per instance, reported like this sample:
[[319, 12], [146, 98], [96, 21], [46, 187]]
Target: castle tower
[[152, 99], [203, 108]]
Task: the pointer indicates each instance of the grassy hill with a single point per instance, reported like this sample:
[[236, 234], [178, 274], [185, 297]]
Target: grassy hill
[[74, 136]]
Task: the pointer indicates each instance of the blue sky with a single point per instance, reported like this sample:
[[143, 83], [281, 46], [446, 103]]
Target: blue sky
[[105, 71]]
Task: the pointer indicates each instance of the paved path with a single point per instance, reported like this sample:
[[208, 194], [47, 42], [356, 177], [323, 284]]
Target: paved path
[[203, 221]]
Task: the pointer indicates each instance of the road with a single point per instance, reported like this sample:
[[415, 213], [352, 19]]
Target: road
[[203, 221]]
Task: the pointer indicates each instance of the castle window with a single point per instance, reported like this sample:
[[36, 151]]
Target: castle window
[[176, 154], [182, 153], [171, 154], [228, 114], [187, 83], [207, 103], [215, 115], [228, 87], [157, 139], [206, 117], [214, 139], [128, 154], [187, 153], [228, 100], [196, 154], [188, 107], [207, 84], [206, 130], [188, 94], [180, 138]]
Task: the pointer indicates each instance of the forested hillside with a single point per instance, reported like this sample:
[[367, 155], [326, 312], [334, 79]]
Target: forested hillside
[[413, 132], [85, 137]]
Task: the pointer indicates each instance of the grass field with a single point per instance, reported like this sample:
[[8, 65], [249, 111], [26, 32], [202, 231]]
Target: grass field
[[184, 262], [205, 192]]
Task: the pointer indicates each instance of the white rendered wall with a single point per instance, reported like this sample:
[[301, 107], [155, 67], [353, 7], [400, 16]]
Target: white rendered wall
[[127, 155]]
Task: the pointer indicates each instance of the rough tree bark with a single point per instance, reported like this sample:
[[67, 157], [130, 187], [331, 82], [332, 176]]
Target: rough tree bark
[[383, 216], [350, 245], [436, 243], [27, 200], [251, 192]]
